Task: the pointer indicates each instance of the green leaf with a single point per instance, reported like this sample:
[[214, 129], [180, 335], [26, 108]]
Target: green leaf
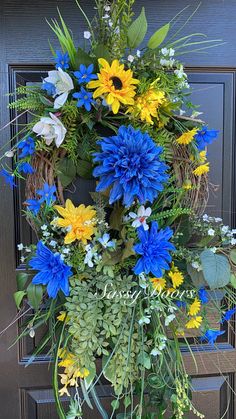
[[116, 218], [35, 294], [109, 371], [233, 280], [101, 51], [232, 255], [196, 276], [144, 360], [137, 30], [89, 379], [216, 269], [115, 404], [158, 37], [66, 171], [82, 58], [18, 297], [85, 169], [21, 279], [127, 401], [128, 250]]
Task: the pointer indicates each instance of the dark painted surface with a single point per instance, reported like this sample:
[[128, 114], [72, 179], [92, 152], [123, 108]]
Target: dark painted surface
[[24, 49]]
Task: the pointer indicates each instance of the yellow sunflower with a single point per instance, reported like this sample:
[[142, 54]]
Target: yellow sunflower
[[115, 84], [187, 137], [195, 307], [79, 220], [147, 104], [158, 283]]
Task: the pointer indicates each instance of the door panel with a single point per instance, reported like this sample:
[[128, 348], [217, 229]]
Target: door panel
[[25, 393]]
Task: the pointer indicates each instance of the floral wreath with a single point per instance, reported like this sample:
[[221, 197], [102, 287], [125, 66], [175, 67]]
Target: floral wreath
[[126, 275]]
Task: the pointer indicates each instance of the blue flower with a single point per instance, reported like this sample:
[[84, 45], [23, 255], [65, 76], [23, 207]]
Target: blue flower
[[154, 248], [227, 316], [203, 295], [85, 74], [27, 147], [33, 205], [105, 241], [49, 87], [26, 168], [47, 194], [9, 178], [130, 163], [84, 99], [211, 336], [180, 304], [204, 137], [62, 60], [53, 272]]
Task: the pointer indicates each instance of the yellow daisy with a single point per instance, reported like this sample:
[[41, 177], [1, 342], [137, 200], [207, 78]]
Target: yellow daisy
[[187, 137], [146, 105], [61, 317], [158, 283], [202, 169], [202, 156], [187, 185], [195, 307], [79, 220], [194, 323], [176, 277], [115, 84]]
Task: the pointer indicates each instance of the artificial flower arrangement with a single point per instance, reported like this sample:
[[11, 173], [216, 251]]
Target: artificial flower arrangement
[[123, 277]]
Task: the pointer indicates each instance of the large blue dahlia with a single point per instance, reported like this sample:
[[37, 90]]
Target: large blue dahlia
[[154, 248], [53, 272], [130, 163]]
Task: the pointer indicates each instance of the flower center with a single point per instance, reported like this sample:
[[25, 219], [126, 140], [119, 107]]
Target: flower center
[[117, 83]]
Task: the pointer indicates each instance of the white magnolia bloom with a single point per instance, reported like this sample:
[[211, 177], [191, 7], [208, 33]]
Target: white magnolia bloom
[[63, 84], [20, 246], [51, 129], [130, 58], [211, 232], [141, 217], [9, 154], [87, 35]]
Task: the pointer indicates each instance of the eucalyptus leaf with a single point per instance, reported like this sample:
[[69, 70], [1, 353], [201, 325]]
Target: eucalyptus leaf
[[232, 255], [34, 294], [18, 297], [21, 279], [158, 37], [66, 171], [137, 30], [233, 280], [216, 269], [196, 276]]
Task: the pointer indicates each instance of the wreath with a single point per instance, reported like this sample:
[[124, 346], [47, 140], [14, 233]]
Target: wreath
[[127, 276]]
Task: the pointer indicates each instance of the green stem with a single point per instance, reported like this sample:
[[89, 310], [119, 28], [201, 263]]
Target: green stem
[[98, 404], [59, 407]]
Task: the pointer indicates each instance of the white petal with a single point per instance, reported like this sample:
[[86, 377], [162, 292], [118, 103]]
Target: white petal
[[60, 100], [132, 215], [148, 212]]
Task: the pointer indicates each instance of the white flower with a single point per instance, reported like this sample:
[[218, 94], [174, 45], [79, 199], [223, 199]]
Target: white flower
[[168, 52], [143, 281], [195, 114], [224, 229], [180, 73], [117, 30], [31, 332], [196, 265], [110, 23], [213, 249], [46, 234], [155, 352], [169, 319], [138, 53], [233, 231], [167, 63], [164, 51], [181, 112], [205, 218], [219, 220], [211, 232], [107, 8], [9, 153], [53, 243], [233, 242], [44, 227], [51, 129], [63, 84], [91, 256], [87, 35], [20, 246], [105, 241], [144, 320], [22, 259], [140, 217], [106, 16], [66, 250], [130, 58], [28, 250]]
